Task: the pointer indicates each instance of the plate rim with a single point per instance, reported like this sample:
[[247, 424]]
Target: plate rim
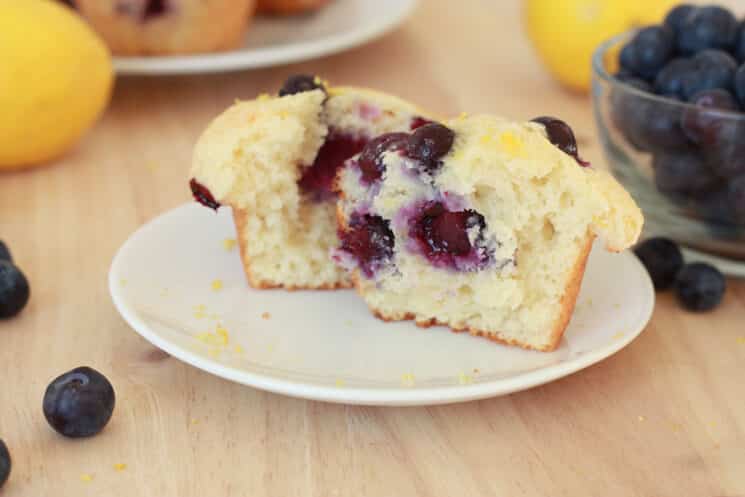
[[245, 58], [372, 396]]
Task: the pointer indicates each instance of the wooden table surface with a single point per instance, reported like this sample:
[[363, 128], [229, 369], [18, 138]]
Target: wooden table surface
[[663, 417]]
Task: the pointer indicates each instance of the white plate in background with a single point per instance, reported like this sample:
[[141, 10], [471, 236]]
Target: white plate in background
[[325, 345], [270, 41]]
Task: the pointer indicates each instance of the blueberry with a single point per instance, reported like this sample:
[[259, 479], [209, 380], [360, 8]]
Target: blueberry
[[740, 85], [5, 463], [369, 240], [659, 128], [627, 109], [202, 195], [702, 124], [713, 206], [663, 260], [370, 160], [682, 172], [669, 81], [711, 69], [429, 143], [674, 19], [707, 27], [300, 83], [726, 154], [700, 287], [154, 8], [736, 197], [740, 46], [648, 51], [647, 124], [561, 135], [14, 290], [5, 252], [79, 403]]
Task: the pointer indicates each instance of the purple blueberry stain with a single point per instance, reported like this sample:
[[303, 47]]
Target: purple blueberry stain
[[454, 240]]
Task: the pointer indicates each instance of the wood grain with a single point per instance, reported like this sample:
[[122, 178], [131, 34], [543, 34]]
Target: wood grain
[[664, 417]]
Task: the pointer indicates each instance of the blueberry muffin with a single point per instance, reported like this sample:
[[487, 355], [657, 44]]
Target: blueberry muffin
[[289, 7], [480, 224], [274, 160], [150, 27], [477, 223]]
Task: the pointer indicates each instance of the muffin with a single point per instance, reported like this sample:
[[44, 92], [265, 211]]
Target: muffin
[[274, 160], [289, 7], [150, 27], [479, 224]]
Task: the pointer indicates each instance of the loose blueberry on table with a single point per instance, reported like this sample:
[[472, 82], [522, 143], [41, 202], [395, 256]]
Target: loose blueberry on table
[[663, 260], [5, 252], [700, 287], [14, 290], [79, 403], [5, 463]]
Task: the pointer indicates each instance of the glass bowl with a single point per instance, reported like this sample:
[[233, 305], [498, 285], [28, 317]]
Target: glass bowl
[[683, 164]]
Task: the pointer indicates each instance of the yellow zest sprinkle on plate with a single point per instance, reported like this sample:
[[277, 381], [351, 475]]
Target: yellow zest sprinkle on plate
[[464, 379], [219, 338], [238, 349], [618, 335], [120, 466], [407, 380], [340, 382], [217, 285], [87, 478], [199, 311], [194, 421], [123, 282], [229, 244]]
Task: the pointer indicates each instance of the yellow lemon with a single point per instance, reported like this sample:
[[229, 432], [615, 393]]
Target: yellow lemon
[[56, 78], [653, 11], [566, 32]]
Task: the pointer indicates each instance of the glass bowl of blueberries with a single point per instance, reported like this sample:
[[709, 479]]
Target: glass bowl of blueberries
[[669, 103]]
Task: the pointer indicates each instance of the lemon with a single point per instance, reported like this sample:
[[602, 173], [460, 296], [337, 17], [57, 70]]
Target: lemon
[[566, 32], [56, 79]]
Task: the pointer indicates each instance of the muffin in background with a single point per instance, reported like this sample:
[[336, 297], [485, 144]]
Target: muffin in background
[[162, 27], [289, 7]]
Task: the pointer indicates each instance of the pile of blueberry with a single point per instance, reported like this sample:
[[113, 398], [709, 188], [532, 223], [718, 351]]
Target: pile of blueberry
[[696, 56], [698, 286], [14, 289]]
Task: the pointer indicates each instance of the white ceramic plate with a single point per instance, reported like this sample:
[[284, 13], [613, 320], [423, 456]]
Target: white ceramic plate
[[271, 41], [325, 345]]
